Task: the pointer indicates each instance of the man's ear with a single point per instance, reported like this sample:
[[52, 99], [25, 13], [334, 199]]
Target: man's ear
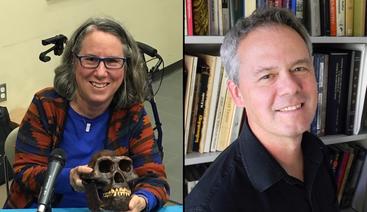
[[235, 92]]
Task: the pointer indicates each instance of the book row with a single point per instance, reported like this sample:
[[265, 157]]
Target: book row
[[321, 17]]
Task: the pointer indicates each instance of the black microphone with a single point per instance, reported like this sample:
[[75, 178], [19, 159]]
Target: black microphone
[[56, 162]]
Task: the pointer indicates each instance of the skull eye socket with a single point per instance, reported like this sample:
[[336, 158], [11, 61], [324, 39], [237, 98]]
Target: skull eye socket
[[105, 166], [125, 165]]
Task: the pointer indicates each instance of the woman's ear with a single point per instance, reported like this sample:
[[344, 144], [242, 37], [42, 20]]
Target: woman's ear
[[235, 92]]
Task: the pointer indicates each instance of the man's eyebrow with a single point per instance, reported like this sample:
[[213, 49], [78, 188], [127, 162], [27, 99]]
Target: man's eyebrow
[[261, 69], [303, 60]]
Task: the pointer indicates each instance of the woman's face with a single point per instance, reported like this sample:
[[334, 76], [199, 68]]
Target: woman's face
[[97, 86]]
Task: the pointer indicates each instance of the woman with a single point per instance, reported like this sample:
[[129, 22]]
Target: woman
[[95, 104]]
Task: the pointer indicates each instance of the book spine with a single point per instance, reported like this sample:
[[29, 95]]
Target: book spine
[[189, 19], [218, 116], [225, 16], [227, 115], [213, 18], [332, 17], [324, 61], [353, 178], [300, 11], [337, 93], [340, 18], [359, 18], [236, 10], [349, 11], [195, 107], [325, 17], [200, 17], [201, 108], [352, 95], [212, 97]]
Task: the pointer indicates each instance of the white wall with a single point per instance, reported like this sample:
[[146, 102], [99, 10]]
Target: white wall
[[24, 23]]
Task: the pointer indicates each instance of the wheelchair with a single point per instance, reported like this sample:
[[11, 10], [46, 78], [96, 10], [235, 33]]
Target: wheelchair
[[60, 40]]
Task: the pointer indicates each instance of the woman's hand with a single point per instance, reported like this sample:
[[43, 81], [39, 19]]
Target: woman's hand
[[137, 204], [75, 180]]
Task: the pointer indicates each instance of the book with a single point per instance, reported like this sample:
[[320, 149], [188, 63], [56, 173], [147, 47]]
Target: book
[[323, 80], [190, 66], [235, 11], [332, 7], [300, 11], [352, 91], [225, 16], [346, 171], [338, 79], [313, 17], [359, 17], [364, 116], [227, 116], [220, 16], [235, 125], [191, 132], [349, 12], [250, 7], [213, 17], [214, 64], [189, 19], [361, 86], [200, 14], [344, 155], [219, 111], [320, 64], [325, 17], [354, 176], [203, 70], [340, 17], [358, 202]]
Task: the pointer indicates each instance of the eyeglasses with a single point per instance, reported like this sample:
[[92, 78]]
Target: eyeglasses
[[93, 61]]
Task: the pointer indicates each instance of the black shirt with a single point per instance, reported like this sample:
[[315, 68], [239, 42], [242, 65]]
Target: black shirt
[[245, 177]]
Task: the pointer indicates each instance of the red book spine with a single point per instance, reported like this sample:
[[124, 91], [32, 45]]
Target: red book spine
[[332, 17], [190, 28], [278, 3]]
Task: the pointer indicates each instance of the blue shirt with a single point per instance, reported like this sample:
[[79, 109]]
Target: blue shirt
[[81, 139]]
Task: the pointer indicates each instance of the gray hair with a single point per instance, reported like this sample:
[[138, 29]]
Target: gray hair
[[259, 18], [131, 90]]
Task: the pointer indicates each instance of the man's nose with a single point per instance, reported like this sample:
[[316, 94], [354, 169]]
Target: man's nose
[[288, 84]]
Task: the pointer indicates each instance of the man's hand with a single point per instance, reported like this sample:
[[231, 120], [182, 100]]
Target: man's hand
[[74, 176], [137, 204]]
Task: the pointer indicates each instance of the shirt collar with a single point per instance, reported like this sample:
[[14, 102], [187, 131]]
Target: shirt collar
[[263, 170]]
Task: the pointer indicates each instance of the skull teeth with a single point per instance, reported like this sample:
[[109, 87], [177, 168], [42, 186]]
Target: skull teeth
[[117, 192]]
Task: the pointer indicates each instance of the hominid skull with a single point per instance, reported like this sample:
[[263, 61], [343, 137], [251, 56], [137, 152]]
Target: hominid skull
[[107, 187]]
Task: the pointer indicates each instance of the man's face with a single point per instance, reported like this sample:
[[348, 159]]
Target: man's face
[[277, 84]]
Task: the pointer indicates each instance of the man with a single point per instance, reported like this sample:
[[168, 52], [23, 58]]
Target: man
[[275, 164]]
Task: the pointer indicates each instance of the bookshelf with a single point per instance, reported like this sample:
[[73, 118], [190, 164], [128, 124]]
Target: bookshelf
[[313, 18], [211, 44]]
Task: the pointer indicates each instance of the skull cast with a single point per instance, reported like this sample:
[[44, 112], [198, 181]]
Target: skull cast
[[107, 187]]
